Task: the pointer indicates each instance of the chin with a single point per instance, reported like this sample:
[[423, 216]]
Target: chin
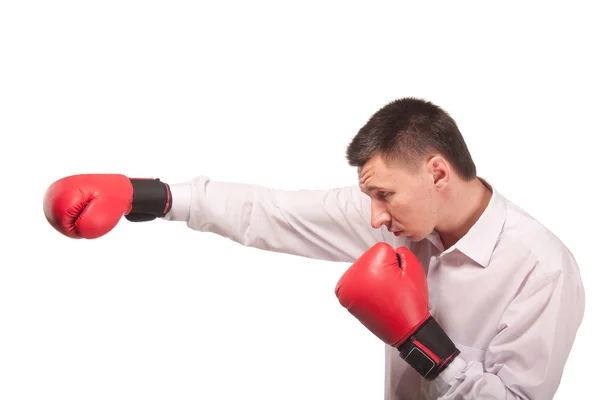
[[416, 238]]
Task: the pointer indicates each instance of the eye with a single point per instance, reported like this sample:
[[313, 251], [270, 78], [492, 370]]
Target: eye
[[383, 195]]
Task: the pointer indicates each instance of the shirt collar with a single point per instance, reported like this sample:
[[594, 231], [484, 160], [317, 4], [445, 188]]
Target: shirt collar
[[480, 241]]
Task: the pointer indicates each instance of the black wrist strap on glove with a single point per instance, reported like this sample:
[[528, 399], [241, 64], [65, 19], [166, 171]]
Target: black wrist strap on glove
[[151, 199], [429, 350]]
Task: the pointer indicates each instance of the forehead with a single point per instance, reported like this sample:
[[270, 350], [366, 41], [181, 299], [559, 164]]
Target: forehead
[[376, 173]]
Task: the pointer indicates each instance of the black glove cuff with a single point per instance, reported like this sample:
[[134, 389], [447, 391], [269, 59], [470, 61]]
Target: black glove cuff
[[429, 350], [151, 199]]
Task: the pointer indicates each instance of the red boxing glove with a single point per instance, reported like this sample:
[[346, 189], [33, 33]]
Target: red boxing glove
[[386, 290], [90, 206]]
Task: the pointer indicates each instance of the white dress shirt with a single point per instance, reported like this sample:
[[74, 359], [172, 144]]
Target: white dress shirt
[[508, 294]]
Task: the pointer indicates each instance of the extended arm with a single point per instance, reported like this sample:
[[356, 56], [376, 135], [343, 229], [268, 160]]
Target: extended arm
[[325, 224], [331, 224]]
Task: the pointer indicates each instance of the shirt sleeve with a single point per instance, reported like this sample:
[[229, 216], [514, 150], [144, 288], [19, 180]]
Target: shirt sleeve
[[331, 225], [525, 360]]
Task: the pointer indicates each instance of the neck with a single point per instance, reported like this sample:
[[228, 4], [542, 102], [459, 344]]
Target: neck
[[467, 201]]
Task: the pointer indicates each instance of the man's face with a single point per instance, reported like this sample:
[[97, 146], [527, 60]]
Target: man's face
[[405, 202]]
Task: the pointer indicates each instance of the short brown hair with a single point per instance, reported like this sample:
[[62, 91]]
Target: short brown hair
[[408, 129]]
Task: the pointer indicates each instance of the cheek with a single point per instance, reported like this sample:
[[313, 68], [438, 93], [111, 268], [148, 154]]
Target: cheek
[[430, 209], [413, 207], [398, 210], [418, 210], [407, 210]]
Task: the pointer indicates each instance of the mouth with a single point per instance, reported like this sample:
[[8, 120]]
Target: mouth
[[396, 232]]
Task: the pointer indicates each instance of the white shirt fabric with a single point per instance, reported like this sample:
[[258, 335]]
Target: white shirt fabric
[[508, 294]]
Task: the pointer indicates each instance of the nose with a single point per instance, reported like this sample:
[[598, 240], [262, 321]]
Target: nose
[[379, 215]]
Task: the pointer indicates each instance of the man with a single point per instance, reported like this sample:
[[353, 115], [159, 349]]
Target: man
[[432, 243]]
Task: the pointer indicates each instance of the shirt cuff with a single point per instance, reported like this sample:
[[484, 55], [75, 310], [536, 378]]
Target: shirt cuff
[[181, 194], [446, 377]]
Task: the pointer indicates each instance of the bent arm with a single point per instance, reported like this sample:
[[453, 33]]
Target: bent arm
[[527, 357], [331, 225]]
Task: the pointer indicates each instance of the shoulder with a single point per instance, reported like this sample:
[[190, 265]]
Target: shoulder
[[548, 269], [530, 239]]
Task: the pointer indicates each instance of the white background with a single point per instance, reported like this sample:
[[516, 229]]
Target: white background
[[267, 93]]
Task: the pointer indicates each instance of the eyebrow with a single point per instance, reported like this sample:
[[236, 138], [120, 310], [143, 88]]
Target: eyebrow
[[370, 188]]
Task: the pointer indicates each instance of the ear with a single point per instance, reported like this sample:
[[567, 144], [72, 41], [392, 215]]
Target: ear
[[439, 170]]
